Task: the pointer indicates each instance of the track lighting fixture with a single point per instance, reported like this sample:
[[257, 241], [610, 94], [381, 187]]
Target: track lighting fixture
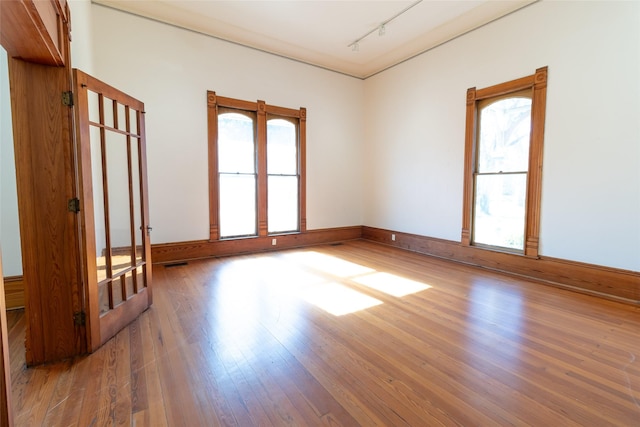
[[382, 28]]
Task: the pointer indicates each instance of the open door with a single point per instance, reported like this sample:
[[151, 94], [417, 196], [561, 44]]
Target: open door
[[113, 207]]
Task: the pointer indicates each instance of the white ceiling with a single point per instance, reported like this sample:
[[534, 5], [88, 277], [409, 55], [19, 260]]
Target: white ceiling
[[320, 32]]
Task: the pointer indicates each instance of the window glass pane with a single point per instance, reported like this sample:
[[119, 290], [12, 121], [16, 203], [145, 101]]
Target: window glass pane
[[282, 204], [282, 155], [237, 205], [499, 210], [505, 127], [236, 147]]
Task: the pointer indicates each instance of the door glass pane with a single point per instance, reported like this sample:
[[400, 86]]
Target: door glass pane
[[117, 290], [93, 101], [121, 117], [505, 127], [282, 204], [119, 208], [133, 121], [236, 144], [237, 205], [282, 153], [137, 205], [499, 210], [108, 111], [129, 288], [140, 278], [103, 297], [98, 202]]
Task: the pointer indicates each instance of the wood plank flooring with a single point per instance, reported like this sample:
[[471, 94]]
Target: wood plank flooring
[[356, 334]]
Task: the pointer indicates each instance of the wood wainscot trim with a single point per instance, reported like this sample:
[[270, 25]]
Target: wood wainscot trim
[[181, 251], [44, 159], [605, 282], [35, 30], [14, 292]]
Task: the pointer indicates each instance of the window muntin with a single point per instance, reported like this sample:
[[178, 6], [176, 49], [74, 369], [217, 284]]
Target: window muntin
[[501, 168]]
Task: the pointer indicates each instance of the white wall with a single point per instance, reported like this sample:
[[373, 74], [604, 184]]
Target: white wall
[[171, 69], [591, 172], [9, 221], [9, 225], [81, 35], [400, 169]]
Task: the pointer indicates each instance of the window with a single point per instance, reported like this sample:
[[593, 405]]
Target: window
[[503, 164], [282, 175], [256, 168], [237, 177]]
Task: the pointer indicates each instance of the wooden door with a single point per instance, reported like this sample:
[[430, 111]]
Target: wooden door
[[113, 207]]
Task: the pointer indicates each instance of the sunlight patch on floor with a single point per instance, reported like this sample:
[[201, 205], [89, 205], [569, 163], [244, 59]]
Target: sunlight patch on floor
[[338, 299], [391, 284], [329, 264], [315, 278]]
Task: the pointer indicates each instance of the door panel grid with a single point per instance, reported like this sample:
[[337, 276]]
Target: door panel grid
[[112, 169]]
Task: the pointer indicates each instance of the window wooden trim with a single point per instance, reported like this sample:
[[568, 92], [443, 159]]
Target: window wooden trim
[[537, 82], [261, 109]]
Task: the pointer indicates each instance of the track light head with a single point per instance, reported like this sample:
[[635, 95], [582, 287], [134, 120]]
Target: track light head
[[382, 28]]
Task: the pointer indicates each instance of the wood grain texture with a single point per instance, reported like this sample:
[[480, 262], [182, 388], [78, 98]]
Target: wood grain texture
[[537, 82], [245, 341], [617, 284], [34, 30], [534, 181], [44, 160], [259, 112], [14, 292], [180, 251], [6, 407], [103, 324]]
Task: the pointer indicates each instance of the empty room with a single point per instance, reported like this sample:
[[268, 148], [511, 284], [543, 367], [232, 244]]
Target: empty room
[[345, 213]]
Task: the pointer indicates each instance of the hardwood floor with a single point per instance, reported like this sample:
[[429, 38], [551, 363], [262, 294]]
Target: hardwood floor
[[354, 334]]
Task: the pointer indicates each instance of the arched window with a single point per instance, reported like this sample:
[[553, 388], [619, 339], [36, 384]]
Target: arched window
[[256, 168], [283, 185], [503, 165], [237, 177], [501, 169]]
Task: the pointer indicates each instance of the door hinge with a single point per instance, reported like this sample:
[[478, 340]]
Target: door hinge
[[74, 205], [80, 318], [67, 98]]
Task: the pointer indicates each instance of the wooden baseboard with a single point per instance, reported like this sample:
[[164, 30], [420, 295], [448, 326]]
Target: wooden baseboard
[[175, 252], [14, 292], [611, 283]]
